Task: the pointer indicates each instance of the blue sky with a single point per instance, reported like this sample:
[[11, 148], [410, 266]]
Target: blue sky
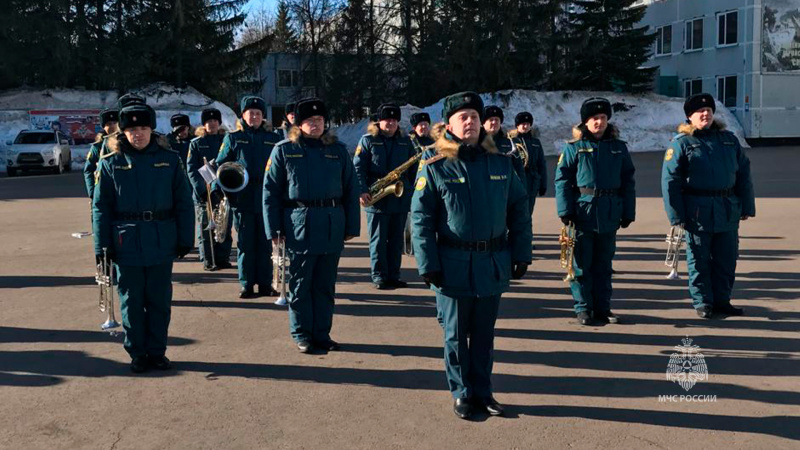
[[270, 4]]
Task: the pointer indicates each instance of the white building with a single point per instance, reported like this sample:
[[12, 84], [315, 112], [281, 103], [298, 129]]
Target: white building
[[745, 52]]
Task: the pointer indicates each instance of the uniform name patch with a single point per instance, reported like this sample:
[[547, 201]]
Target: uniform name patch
[[455, 180], [161, 164], [668, 155], [585, 150], [289, 155], [498, 177], [421, 183], [128, 167], [332, 156]]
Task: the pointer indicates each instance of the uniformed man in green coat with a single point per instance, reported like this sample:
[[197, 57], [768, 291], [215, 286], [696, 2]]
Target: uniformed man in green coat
[[421, 131], [535, 168], [380, 151], [109, 120], [708, 190], [181, 135], [288, 120], [471, 234], [311, 203], [205, 148], [251, 145], [595, 191], [143, 220], [493, 124]]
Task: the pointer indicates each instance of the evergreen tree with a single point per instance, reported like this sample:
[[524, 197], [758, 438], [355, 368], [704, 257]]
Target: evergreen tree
[[607, 48], [285, 35]]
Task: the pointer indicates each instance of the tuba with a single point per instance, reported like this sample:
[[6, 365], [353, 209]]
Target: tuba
[[104, 277], [391, 183], [674, 243], [232, 177], [280, 263], [567, 241]]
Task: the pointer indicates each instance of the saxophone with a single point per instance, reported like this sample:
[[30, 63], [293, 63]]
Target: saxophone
[[391, 183]]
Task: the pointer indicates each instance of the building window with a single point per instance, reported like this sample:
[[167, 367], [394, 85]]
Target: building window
[[728, 28], [694, 34], [692, 87], [287, 78], [664, 40], [726, 91]]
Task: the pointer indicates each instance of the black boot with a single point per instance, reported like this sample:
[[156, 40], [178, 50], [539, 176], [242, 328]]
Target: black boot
[[704, 312], [584, 318], [462, 408], [139, 364], [159, 362], [247, 292]]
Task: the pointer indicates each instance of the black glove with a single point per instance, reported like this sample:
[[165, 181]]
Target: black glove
[[520, 269], [98, 258], [625, 223], [183, 251], [432, 278], [542, 191], [567, 219]]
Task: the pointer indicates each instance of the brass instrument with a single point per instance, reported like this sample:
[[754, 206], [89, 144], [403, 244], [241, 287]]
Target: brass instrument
[[522, 150], [280, 264], [674, 243], [104, 277], [391, 183], [211, 227], [232, 178], [567, 241]]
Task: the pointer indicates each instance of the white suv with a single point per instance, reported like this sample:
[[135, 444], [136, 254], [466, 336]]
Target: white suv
[[47, 150]]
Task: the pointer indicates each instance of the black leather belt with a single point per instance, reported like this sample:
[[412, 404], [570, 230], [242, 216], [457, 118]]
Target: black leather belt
[[600, 192], [708, 192], [324, 203], [492, 245], [144, 216]]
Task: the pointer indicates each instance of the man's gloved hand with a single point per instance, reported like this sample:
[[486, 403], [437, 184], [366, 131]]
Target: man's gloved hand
[[183, 251], [567, 219], [519, 271], [542, 191], [98, 258], [625, 223], [432, 278]]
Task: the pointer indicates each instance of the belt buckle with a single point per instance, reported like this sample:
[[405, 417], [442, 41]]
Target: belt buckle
[[147, 216], [483, 246]]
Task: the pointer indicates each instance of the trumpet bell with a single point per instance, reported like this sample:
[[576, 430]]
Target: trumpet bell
[[109, 324], [673, 275], [232, 177]]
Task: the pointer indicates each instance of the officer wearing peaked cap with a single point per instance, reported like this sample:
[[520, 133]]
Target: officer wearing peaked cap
[[471, 234], [251, 145], [708, 190], [205, 147], [311, 201], [142, 216], [109, 120], [380, 151], [595, 191]]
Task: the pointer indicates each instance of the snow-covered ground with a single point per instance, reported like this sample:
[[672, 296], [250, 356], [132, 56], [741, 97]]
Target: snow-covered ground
[[647, 122], [165, 99]]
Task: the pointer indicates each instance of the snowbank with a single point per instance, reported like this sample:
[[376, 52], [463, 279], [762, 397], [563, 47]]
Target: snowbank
[[647, 122], [165, 99]]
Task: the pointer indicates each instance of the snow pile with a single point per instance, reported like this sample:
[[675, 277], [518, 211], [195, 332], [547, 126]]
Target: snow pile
[[647, 122], [165, 99]]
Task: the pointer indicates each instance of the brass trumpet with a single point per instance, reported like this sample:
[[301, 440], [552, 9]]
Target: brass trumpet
[[567, 241], [104, 277], [280, 264], [674, 243]]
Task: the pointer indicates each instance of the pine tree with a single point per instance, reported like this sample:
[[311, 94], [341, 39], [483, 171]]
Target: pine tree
[[608, 49], [285, 35]]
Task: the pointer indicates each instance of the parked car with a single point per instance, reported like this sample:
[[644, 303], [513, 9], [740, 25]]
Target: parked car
[[39, 149]]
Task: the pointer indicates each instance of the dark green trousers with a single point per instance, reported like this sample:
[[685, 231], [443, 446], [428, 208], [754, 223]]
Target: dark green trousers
[[145, 296]]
